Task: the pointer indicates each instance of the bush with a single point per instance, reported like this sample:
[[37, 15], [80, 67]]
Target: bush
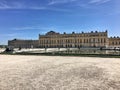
[[8, 50]]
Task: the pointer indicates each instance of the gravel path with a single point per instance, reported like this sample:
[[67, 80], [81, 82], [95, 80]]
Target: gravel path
[[59, 73]]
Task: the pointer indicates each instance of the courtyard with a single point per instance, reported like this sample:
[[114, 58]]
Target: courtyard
[[20, 72]]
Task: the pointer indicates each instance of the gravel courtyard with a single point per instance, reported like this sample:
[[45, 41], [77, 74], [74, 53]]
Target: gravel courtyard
[[59, 73]]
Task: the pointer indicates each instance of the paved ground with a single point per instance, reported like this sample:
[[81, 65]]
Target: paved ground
[[58, 73]]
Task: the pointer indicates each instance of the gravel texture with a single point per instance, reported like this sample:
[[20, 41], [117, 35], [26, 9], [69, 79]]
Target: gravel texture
[[59, 73]]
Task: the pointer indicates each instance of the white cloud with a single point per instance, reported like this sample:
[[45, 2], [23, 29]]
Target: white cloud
[[34, 28], [26, 28], [52, 2], [36, 7], [98, 1], [18, 5], [3, 5], [9, 35]]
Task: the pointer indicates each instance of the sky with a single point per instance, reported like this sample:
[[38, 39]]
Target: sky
[[26, 19]]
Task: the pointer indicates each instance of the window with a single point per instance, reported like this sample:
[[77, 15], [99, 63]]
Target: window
[[112, 43], [104, 40], [101, 40]]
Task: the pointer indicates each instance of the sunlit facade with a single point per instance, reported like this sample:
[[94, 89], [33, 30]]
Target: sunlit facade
[[114, 42], [90, 39], [72, 40]]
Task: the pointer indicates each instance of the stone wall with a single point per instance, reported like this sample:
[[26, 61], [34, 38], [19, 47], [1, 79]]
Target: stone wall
[[16, 43], [92, 39]]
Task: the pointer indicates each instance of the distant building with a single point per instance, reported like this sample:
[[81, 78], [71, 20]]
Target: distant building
[[114, 42], [92, 39], [54, 39], [17, 43]]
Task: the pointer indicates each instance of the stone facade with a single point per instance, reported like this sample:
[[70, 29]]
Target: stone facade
[[114, 42], [17, 43], [73, 40], [92, 39]]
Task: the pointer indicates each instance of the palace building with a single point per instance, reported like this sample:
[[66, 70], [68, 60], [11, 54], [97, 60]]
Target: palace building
[[92, 39], [54, 39], [17, 43], [114, 42]]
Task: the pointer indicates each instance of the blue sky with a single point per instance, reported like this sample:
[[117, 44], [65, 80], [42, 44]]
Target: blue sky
[[25, 19]]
